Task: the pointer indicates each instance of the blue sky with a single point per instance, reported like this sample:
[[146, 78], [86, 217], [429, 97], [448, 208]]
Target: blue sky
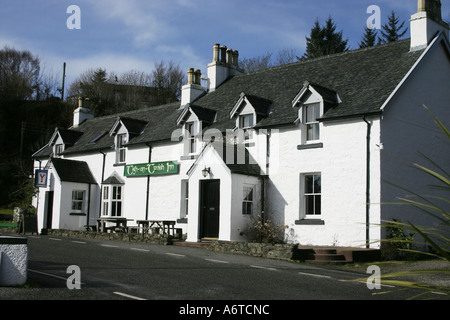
[[123, 35]]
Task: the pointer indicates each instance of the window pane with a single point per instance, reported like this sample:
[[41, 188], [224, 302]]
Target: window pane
[[105, 193], [317, 205], [309, 184], [317, 184], [309, 204]]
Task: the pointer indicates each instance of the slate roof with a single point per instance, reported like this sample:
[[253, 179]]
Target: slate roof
[[73, 171], [363, 79]]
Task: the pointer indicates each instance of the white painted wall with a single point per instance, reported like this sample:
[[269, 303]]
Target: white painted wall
[[408, 130], [342, 164]]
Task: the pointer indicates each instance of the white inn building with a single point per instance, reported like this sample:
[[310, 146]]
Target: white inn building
[[316, 145]]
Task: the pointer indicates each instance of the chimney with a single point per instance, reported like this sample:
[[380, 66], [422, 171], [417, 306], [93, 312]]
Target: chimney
[[426, 24], [82, 113], [224, 64], [193, 89]]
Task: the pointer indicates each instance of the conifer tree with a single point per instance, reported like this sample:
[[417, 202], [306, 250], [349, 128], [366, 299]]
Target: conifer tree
[[392, 31], [369, 38], [324, 40]]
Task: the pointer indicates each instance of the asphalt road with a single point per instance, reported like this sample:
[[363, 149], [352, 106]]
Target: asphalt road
[[113, 270]]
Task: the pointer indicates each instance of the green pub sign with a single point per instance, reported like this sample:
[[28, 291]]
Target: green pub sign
[[151, 169]]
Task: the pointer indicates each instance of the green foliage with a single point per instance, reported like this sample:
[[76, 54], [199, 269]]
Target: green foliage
[[392, 31], [324, 40]]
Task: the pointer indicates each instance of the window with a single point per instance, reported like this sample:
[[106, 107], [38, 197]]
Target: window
[[184, 198], [121, 148], [112, 201], [105, 201], [190, 128], [77, 200], [116, 201], [312, 194], [246, 123], [59, 148], [247, 202], [311, 114]]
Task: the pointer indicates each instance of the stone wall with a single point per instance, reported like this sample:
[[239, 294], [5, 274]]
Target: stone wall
[[285, 252], [134, 237]]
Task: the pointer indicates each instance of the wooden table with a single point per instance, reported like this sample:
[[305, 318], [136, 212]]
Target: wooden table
[[120, 223], [167, 226]]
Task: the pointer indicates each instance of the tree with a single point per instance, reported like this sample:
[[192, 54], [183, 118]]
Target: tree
[[168, 80], [257, 63], [324, 40], [369, 38], [392, 31]]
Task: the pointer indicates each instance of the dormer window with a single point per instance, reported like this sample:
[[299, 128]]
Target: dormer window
[[248, 111], [313, 101], [311, 114], [190, 136], [59, 149], [121, 149], [123, 130], [246, 123], [194, 119]]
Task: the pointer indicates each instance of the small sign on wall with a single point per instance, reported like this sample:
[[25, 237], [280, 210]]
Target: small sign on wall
[[40, 178]]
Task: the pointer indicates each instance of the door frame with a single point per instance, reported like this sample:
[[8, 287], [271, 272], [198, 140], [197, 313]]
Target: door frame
[[203, 210]]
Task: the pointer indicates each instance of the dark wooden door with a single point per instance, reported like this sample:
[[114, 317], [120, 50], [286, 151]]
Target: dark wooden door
[[209, 206], [49, 212]]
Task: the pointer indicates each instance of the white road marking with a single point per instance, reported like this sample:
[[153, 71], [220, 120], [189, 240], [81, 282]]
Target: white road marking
[[217, 261], [139, 249], [54, 239], [128, 296], [109, 246], [52, 275], [314, 275], [80, 242], [175, 254], [261, 267]]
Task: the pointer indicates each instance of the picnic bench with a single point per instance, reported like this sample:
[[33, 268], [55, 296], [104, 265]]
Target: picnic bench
[[156, 226], [120, 224]]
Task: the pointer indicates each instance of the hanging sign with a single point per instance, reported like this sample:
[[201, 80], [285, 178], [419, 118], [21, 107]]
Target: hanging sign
[[40, 178], [151, 169]]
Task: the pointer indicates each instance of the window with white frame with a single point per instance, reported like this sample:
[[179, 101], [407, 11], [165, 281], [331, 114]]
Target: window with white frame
[[190, 132], [247, 202], [59, 148], [112, 198], [246, 122], [310, 115], [105, 201], [184, 198], [121, 148], [78, 200], [312, 194]]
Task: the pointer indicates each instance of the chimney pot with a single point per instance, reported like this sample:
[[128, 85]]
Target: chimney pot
[[223, 53], [229, 56], [216, 52], [236, 58], [190, 75], [198, 76]]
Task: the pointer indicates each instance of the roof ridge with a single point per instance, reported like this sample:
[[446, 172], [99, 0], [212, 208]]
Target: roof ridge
[[325, 57]]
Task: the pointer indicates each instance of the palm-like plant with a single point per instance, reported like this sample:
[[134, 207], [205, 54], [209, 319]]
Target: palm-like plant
[[435, 237]]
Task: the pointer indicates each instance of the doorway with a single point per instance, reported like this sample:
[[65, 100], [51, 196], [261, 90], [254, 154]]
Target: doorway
[[209, 209], [48, 209]]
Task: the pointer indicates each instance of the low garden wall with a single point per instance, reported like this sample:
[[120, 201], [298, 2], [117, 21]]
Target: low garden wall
[[144, 238], [286, 252]]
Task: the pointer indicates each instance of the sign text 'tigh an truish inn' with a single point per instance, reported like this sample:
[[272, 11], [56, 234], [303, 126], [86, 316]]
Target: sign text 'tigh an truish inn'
[[151, 169]]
